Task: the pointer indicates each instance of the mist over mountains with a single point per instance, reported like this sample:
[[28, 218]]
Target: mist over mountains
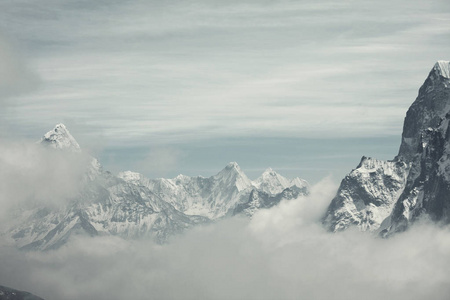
[[132, 206], [88, 233]]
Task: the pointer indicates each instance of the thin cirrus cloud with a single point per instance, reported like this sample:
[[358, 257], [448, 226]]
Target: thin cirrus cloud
[[148, 72]]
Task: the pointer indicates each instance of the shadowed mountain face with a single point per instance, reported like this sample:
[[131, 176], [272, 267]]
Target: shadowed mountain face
[[386, 196], [11, 294], [132, 206]]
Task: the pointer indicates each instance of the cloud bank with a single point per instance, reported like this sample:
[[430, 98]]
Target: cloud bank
[[283, 253], [32, 175]]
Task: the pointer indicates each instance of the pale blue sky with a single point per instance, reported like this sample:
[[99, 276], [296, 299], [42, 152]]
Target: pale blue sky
[[169, 87]]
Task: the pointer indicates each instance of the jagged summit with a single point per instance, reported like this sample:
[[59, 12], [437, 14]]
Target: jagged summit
[[233, 165], [443, 68], [273, 183], [387, 196], [232, 173], [130, 176], [60, 138], [268, 171], [429, 108]]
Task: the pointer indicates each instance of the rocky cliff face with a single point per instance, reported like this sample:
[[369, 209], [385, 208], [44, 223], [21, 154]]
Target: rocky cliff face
[[416, 183], [367, 195]]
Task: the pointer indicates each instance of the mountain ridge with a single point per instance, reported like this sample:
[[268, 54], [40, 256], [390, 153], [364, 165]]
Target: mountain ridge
[[421, 185], [130, 205]]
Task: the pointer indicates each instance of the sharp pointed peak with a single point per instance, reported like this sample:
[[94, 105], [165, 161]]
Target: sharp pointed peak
[[232, 165], [443, 68], [231, 168], [60, 126], [130, 176], [269, 171], [60, 138]]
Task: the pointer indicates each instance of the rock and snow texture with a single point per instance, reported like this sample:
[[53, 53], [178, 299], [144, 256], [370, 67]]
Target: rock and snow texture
[[427, 192], [273, 183], [104, 205], [212, 197], [132, 206], [367, 195], [424, 158], [217, 196], [259, 199], [443, 67], [60, 138]]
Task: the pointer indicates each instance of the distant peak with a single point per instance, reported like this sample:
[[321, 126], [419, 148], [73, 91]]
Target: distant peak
[[268, 170], [60, 138], [232, 165], [443, 68], [60, 126], [129, 176]]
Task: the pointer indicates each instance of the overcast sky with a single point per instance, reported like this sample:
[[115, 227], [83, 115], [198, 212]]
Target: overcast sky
[[168, 87]]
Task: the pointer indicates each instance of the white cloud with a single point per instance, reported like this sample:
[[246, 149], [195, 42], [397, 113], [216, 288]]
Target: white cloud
[[289, 257], [34, 175]]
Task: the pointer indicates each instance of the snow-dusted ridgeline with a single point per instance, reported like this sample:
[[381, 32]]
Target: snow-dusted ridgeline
[[132, 206], [386, 197]]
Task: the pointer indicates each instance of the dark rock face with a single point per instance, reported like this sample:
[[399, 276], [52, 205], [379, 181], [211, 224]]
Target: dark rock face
[[428, 192], [11, 294], [422, 185], [430, 107], [425, 145]]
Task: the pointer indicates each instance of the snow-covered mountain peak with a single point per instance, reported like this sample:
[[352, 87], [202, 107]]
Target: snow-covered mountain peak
[[428, 110], [443, 68], [269, 171], [60, 138], [233, 165], [130, 176], [233, 173], [271, 182], [300, 183]]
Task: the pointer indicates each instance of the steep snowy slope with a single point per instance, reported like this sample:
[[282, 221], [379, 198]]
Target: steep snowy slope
[[427, 192], [212, 197], [416, 183], [259, 199], [132, 206], [60, 138], [105, 205], [219, 195], [273, 183], [367, 195]]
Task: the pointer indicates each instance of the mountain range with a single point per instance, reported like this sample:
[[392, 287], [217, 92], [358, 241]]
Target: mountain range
[[379, 196], [133, 206]]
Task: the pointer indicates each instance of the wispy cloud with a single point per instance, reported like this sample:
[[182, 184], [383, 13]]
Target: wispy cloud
[[220, 68]]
